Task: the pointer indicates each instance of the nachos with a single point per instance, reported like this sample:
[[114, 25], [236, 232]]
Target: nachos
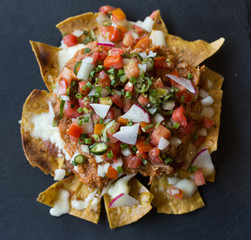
[[124, 98]]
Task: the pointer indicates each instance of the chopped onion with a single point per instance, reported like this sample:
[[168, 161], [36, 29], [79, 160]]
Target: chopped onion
[[77, 33], [203, 161], [104, 92], [202, 132], [152, 110], [175, 141], [99, 158], [65, 98], [163, 143], [209, 84], [59, 174], [84, 148], [108, 125], [118, 163], [151, 54], [100, 109], [188, 84], [51, 112], [101, 18], [187, 186], [102, 169], [106, 43], [146, 25], [87, 126], [143, 55], [85, 69], [203, 93], [127, 152], [123, 200], [135, 35], [207, 112], [168, 105], [158, 118], [137, 114], [158, 38], [127, 134], [207, 101], [142, 67]]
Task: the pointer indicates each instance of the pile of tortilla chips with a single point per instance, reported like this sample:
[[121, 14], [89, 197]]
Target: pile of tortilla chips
[[193, 53]]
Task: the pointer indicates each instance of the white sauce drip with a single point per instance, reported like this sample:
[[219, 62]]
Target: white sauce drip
[[62, 205]]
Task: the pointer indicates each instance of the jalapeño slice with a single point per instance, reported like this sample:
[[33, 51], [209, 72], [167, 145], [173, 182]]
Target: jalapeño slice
[[99, 148]]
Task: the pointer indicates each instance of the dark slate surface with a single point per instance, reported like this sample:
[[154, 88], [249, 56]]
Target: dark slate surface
[[227, 214]]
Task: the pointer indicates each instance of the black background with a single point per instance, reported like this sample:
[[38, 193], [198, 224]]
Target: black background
[[228, 201]]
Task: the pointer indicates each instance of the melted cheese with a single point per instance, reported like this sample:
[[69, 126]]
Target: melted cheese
[[62, 205], [158, 38], [59, 174], [67, 53], [187, 186], [44, 130]]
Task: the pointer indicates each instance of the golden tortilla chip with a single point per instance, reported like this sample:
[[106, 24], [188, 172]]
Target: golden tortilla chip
[[208, 78], [121, 216], [34, 148], [159, 24], [170, 205], [78, 191], [47, 58]]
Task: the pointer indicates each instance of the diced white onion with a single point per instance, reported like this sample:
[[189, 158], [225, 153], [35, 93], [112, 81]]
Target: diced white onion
[[158, 38], [151, 54], [84, 148], [207, 101], [87, 60], [203, 93], [99, 159], [163, 143], [102, 169], [157, 118], [142, 67], [152, 110], [59, 174], [84, 70], [207, 112], [65, 98], [51, 113], [168, 105], [173, 180], [187, 186], [209, 84], [135, 35], [127, 152], [143, 55], [77, 33], [101, 18]]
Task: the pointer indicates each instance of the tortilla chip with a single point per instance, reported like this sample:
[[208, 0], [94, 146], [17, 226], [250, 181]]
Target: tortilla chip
[[159, 24], [84, 21], [34, 148], [215, 78], [78, 191], [47, 58], [170, 205], [121, 216]]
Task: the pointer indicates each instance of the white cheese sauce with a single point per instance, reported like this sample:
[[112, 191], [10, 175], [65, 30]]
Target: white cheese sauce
[[62, 205], [187, 186]]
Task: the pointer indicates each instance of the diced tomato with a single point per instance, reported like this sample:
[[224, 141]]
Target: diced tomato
[[142, 155], [70, 40], [131, 69], [84, 92], [199, 141], [160, 62], [188, 129], [104, 80], [199, 178], [122, 29], [187, 96], [75, 130], [94, 57], [63, 85], [117, 100], [154, 156], [115, 52], [207, 122], [112, 173], [153, 14], [175, 192], [113, 62], [111, 131], [128, 40], [118, 14], [179, 117], [116, 149], [143, 145], [143, 43], [98, 128], [73, 139], [144, 125], [95, 117], [133, 161], [143, 100], [159, 132], [68, 75], [114, 34], [127, 103], [101, 56], [110, 114], [158, 84], [129, 87], [106, 9], [72, 109], [139, 30], [82, 103]]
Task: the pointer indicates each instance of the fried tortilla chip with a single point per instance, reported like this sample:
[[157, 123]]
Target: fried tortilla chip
[[121, 216], [211, 80], [47, 58], [78, 191], [170, 205], [35, 149], [192, 52]]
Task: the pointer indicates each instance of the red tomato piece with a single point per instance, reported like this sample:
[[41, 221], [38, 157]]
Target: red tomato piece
[[110, 114], [129, 87], [75, 130], [82, 103], [112, 173], [207, 122], [70, 40], [143, 145], [175, 192], [139, 30], [95, 117], [143, 100], [95, 57], [160, 62], [158, 84], [143, 43], [113, 62], [128, 40], [115, 148], [133, 161], [102, 56], [131, 69], [188, 129], [104, 80], [127, 103], [72, 109], [153, 14], [187, 96], [106, 9], [68, 75], [114, 34], [199, 178], [82, 89], [114, 128], [154, 156], [159, 132], [198, 142], [116, 52], [179, 117], [63, 85], [117, 100]]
